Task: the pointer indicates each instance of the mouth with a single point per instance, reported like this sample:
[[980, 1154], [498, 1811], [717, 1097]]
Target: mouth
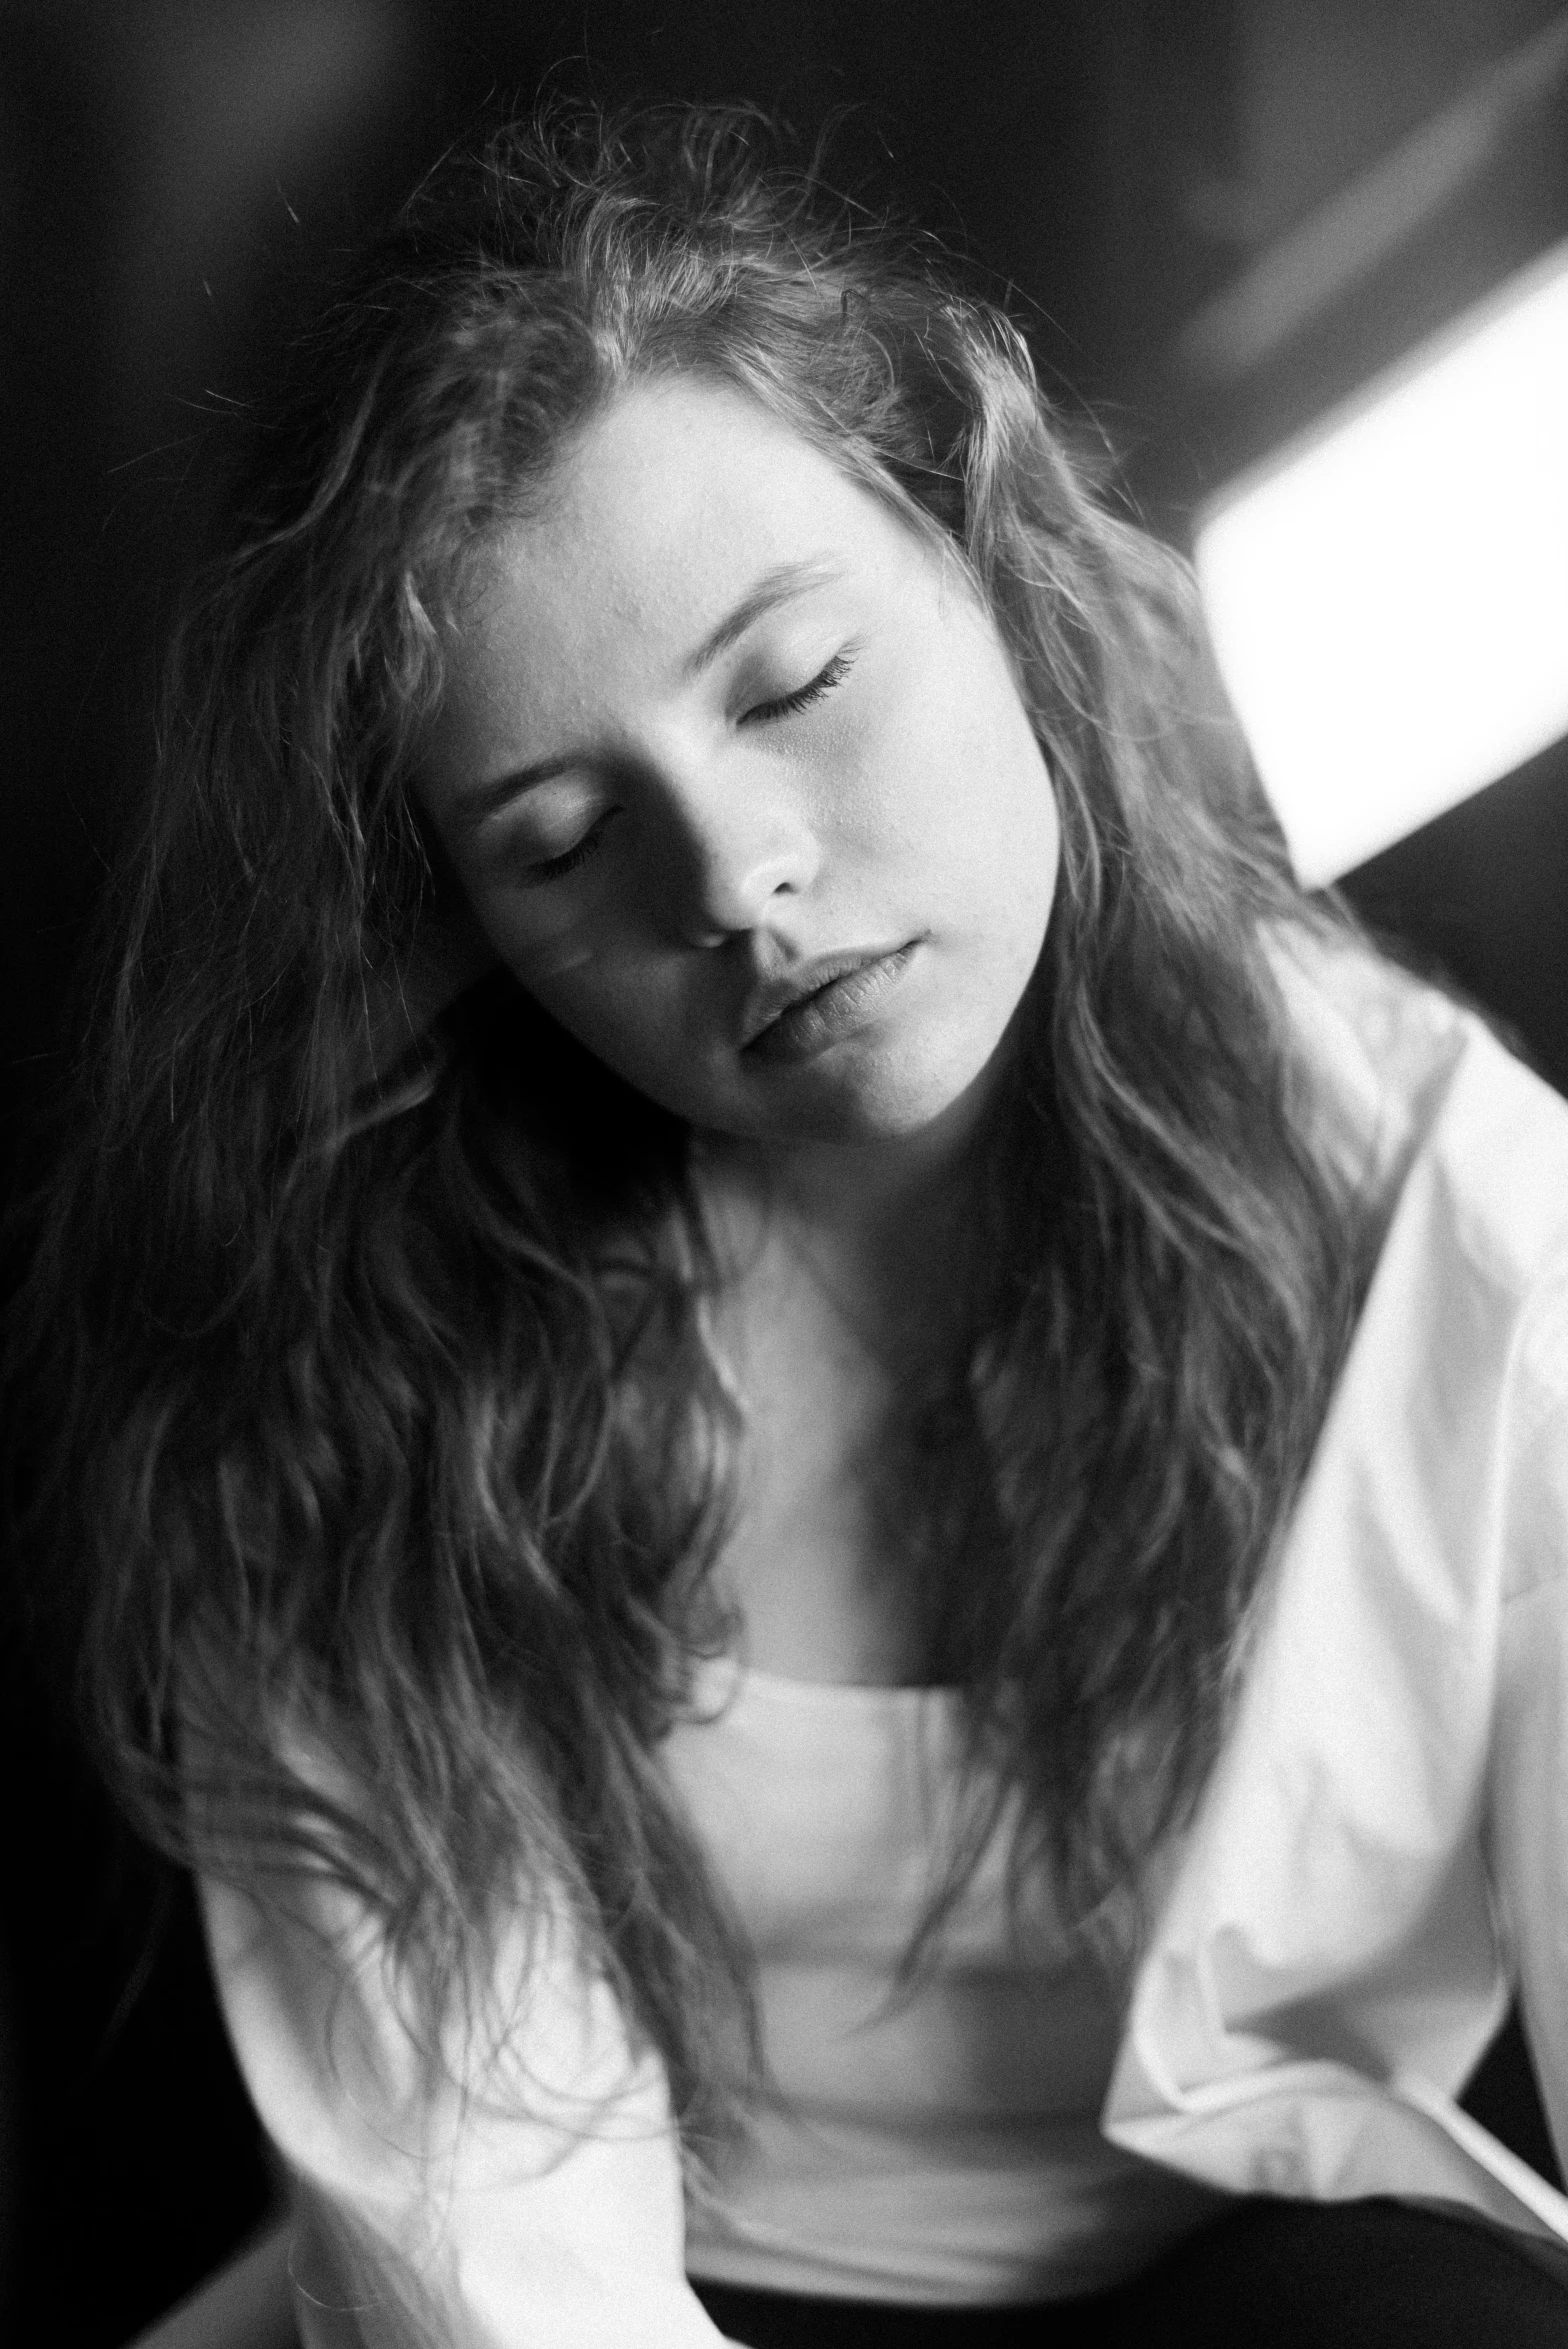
[[795, 1017]]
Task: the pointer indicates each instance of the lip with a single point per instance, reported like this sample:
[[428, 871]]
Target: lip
[[800, 1014]]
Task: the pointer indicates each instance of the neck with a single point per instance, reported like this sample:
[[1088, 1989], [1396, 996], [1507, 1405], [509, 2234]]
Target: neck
[[869, 1196], [882, 1222]]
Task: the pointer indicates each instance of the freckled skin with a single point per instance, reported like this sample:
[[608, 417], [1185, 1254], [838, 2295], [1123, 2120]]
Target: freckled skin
[[728, 839]]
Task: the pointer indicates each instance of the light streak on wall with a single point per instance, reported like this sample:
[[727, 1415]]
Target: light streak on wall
[[1388, 595]]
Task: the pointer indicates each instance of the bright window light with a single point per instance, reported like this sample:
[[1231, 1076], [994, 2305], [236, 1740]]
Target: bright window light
[[1389, 596]]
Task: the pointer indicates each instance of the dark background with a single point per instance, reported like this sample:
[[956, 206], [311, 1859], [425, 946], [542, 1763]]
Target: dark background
[[1149, 177]]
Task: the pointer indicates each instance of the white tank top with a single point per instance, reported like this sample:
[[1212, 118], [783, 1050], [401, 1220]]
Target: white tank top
[[942, 2147]]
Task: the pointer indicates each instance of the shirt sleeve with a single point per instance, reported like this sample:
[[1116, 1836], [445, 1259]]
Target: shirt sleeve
[[1528, 1822], [535, 2205]]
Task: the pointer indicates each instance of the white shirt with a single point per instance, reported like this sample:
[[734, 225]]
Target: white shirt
[[939, 2146], [1380, 1855]]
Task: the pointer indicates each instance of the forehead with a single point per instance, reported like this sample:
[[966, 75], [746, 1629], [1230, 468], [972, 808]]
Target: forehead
[[663, 510]]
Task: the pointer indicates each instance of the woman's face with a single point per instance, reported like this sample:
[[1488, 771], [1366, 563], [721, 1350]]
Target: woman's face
[[734, 770]]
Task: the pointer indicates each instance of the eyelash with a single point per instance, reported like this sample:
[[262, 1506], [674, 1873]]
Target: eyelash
[[556, 868], [788, 703]]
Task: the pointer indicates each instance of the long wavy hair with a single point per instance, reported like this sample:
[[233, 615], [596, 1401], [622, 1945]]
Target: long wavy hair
[[373, 1414]]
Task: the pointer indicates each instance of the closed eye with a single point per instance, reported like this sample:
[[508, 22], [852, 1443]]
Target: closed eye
[[788, 704], [555, 868]]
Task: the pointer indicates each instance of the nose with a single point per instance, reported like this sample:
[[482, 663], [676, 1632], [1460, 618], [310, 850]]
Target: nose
[[736, 853]]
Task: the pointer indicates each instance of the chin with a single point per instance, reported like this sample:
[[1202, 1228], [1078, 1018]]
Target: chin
[[861, 1107]]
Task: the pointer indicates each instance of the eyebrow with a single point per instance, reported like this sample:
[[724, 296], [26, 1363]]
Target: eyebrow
[[783, 584]]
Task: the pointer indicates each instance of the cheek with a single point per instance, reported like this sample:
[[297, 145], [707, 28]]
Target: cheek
[[1004, 830], [963, 732], [592, 967], [1038, 864], [1043, 862], [549, 935], [610, 1005], [1013, 873], [543, 967]]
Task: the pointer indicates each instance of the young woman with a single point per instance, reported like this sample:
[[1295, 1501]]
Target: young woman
[[817, 1459]]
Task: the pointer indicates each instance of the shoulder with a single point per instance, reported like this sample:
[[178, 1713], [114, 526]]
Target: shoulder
[[1451, 1417], [1463, 1148]]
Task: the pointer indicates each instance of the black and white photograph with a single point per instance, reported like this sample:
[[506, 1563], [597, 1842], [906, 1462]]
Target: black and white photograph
[[784, 1174]]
